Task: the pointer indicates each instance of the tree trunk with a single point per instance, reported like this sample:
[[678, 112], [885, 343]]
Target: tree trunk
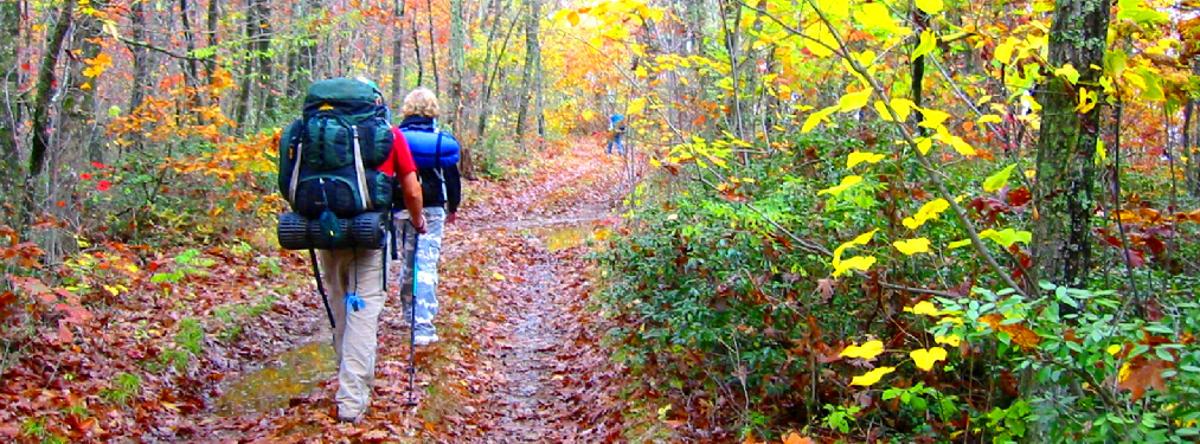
[[1066, 146], [417, 50], [458, 42], [189, 39], [532, 57], [213, 21], [397, 54], [141, 55], [79, 124], [242, 115], [265, 71], [10, 106], [41, 110], [433, 64], [485, 94]]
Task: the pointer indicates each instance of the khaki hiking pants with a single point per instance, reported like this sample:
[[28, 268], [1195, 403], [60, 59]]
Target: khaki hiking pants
[[354, 333]]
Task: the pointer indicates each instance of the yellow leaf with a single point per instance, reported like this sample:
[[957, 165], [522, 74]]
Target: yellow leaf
[[877, 17], [903, 107], [497, 276], [853, 101], [926, 45], [816, 118], [822, 41], [924, 308], [924, 144], [861, 239], [1067, 72], [847, 183], [951, 340], [1004, 51], [930, 7], [958, 244], [97, 65], [912, 246], [869, 350], [636, 106], [932, 118], [988, 118], [1087, 101], [1113, 349], [925, 358], [960, 146], [112, 290], [870, 378], [1123, 373], [588, 114], [573, 17], [860, 263], [858, 157], [929, 211], [881, 109]]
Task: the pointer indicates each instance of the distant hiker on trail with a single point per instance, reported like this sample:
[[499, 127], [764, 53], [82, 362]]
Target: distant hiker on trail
[[436, 153], [616, 129], [340, 167]]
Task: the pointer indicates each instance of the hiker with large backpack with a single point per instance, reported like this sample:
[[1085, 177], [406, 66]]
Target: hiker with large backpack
[[436, 153], [340, 167]]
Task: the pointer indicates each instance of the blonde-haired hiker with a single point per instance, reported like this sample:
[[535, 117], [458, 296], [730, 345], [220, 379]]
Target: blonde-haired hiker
[[436, 154]]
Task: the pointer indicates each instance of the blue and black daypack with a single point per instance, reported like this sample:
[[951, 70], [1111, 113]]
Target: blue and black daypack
[[328, 161], [431, 148]]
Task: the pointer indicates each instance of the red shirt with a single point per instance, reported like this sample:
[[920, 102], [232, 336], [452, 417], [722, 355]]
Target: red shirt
[[400, 160]]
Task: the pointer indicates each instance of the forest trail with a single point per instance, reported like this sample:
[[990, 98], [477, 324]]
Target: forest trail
[[519, 359]]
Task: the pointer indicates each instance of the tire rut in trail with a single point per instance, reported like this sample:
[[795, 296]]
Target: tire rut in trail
[[528, 359]]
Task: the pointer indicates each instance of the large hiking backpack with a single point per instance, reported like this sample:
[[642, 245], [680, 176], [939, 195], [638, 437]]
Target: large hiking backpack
[[328, 161]]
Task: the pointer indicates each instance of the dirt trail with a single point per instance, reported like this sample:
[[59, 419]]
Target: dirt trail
[[520, 359]]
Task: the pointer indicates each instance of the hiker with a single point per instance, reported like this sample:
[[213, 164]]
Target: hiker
[[436, 153], [342, 168], [616, 129]]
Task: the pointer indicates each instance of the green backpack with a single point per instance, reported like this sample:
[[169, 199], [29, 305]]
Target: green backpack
[[328, 161]]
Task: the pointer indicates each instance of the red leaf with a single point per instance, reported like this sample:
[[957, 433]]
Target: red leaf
[[104, 185], [64, 333], [1018, 196], [1143, 375]]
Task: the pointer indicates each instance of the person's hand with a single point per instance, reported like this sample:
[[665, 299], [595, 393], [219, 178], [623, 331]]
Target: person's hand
[[453, 217], [418, 222]]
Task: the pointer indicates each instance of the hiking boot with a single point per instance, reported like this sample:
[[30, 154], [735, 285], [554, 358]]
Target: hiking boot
[[425, 339], [352, 419]]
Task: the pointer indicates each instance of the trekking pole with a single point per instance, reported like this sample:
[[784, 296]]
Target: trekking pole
[[321, 287], [412, 326]]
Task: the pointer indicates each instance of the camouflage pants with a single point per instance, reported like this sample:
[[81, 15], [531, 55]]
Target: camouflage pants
[[429, 251]]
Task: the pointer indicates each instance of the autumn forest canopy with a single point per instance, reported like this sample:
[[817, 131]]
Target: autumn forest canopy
[[828, 220]]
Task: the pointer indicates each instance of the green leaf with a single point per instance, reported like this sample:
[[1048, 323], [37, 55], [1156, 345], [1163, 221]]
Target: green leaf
[[1007, 237], [997, 181], [1137, 11]]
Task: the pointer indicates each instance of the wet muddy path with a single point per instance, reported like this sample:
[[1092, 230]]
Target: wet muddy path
[[519, 360]]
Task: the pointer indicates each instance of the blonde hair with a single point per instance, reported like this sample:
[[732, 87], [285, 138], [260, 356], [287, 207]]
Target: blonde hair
[[420, 102]]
